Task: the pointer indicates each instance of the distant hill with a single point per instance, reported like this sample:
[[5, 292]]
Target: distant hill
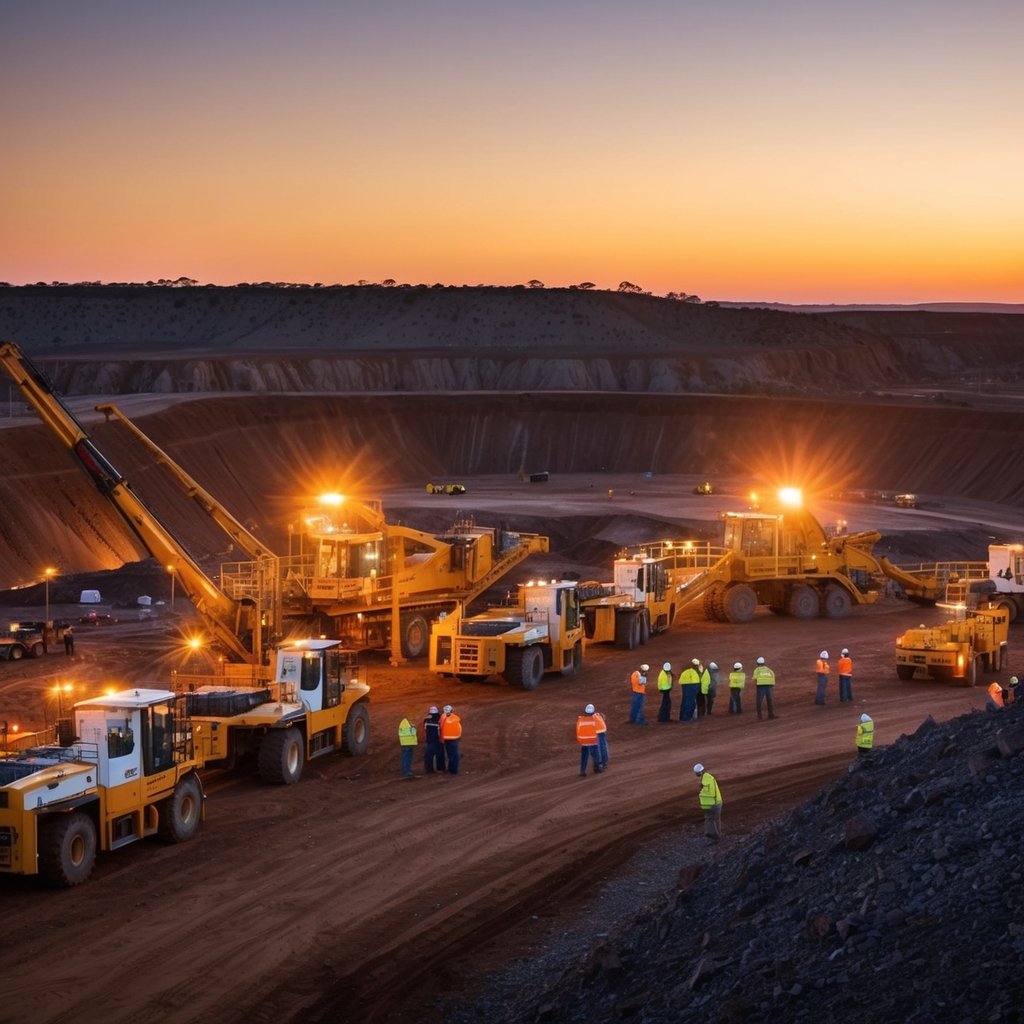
[[931, 307]]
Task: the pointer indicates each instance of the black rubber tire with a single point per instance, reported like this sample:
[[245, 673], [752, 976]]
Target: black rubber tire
[[357, 730], [1009, 607], [626, 632], [67, 849], [415, 635], [740, 603], [281, 757], [836, 602], [711, 596], [524, 666], [182, 811], [905, 672], [803, 602], [15, 652], [36, 650]]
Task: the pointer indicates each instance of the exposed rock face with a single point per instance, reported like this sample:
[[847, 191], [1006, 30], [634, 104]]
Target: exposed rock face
[[923, 923]]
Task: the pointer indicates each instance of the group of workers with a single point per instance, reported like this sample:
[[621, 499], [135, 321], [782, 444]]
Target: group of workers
[[442, 731]]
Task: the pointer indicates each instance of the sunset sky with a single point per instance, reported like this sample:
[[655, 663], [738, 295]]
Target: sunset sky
[[791, 150]]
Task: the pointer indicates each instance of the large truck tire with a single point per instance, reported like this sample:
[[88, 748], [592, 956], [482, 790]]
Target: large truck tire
[[524, 666], [281, 757], [905, 672], [357, 730], [576, 661], [740, 603], [182, 811], [836, 604], [67, 849], [803, 602], [1008, 606], [415, 635], [37, 650], [627, 630], [15, 652]]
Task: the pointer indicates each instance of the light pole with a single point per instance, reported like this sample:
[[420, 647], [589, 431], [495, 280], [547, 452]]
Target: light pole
[[170, 569], [46, 615]]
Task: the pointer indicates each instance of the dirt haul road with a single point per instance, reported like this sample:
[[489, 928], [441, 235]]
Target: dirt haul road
[[355, 895]]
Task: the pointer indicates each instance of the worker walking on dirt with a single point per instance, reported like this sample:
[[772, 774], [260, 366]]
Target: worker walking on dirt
[[407, 745], [710, 691], [433, 749], [822, 670], [586, 737], [737, 680], [845, 669], [602, 740], [710, 803], [451, 733], [689, 687], [665, 682], [638, 685], [764, 680], [865, 735], [69, 641]]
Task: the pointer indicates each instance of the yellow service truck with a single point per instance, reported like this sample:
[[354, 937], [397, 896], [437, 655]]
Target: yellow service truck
[[955, 650], [121, 769]]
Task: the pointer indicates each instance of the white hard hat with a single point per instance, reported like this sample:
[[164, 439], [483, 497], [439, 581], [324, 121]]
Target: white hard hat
[[844, 652], [760, 661], [712, 665], [645, 668], [667, 666], [432, 711], [695, 661], [1014, 680], [448, 709], [738, 665], [589, 709], [698, 767], [824, 654], [865, 717]]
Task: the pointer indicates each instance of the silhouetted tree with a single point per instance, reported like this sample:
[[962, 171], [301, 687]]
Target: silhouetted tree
[[628, 286], [535, 284]]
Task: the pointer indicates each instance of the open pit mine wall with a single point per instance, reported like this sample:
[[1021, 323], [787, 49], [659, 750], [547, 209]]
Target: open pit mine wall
[[258, 454]]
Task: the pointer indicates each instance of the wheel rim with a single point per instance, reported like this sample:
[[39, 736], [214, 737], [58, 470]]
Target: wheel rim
[[76, 850]]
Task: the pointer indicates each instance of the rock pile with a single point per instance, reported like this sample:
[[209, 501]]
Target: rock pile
[[893, 895]]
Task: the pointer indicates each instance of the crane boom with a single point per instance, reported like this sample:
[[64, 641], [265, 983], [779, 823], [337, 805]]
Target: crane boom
[[235, 624]]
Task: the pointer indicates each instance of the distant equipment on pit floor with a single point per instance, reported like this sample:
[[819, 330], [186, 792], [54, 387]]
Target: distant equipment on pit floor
[[446, 489], [704, 488], [957, 649]]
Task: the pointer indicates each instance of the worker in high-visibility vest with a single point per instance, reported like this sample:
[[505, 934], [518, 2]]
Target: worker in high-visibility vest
[[865, 735], [689, 687], [704, 678], [638, 685], [822, 669], [407, 745], [451, 733], [764, 680], [711, 690], [586, 737], [433, 745], [737, 680], [710, 802], [665, 689], [996, 698], [844, 667], [602, 739]]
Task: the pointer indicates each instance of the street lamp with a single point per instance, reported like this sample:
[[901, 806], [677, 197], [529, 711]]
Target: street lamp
[[170, 569], [47, 573]]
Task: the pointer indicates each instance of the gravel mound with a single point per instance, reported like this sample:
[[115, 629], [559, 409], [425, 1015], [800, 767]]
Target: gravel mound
[[893, 895]]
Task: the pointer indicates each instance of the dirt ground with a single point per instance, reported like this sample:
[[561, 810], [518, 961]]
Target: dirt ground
[[355, 895]]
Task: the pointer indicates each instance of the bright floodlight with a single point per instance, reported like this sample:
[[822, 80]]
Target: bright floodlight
[[791, 496], [331, 499]]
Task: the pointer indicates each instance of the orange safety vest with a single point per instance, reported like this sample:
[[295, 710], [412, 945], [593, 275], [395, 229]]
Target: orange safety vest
[[823, 667], [586, 731], [451, 727], [639, 682], [995, 692], [602, 725], [845, 667]]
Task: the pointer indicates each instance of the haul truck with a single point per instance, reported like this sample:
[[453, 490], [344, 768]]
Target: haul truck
[[284, 727], [997, 583], [124, 768], [639, 602], [955, 649], [542, 633], [786, 560]]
